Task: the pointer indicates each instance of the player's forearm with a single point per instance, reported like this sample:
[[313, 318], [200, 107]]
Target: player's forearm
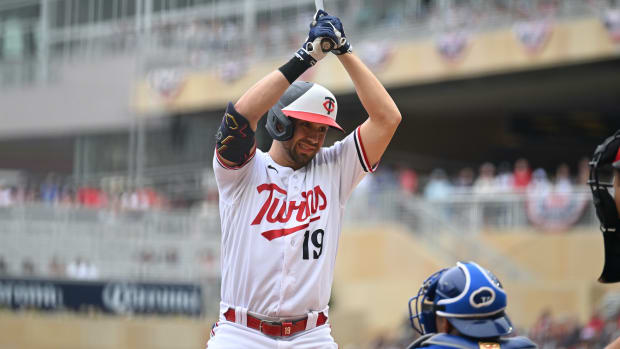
[[375, 99], [266, 93], [256, 101], [614, 345]]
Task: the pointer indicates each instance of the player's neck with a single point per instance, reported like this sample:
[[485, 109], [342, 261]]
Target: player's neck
[[281, 156]]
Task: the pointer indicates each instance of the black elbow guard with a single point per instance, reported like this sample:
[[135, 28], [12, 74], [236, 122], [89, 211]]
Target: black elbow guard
[[235, 138]]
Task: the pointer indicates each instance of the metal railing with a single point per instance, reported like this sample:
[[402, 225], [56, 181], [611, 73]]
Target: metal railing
[[464, 217], [184, 246]]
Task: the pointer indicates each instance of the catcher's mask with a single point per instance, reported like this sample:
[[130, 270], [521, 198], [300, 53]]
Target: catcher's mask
[[607, 157], [469, 296], [305, 101]]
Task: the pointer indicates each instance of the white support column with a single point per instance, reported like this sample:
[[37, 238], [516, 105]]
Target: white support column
[[249, 18], [43, 42]]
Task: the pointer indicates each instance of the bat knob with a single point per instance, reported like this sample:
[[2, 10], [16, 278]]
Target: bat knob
[[327, 45]]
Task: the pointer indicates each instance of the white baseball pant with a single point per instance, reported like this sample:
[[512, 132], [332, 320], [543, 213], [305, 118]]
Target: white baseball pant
[[229, 335]]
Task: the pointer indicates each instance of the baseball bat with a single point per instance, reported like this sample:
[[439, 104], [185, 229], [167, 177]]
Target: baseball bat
[[326, 44]]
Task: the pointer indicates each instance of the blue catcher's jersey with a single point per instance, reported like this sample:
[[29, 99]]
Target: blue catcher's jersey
[[448, 341]]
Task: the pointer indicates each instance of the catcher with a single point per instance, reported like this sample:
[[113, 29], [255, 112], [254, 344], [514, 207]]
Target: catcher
[[463, 307]]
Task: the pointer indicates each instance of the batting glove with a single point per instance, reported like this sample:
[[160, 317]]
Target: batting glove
[[311, 50], [343, 46]]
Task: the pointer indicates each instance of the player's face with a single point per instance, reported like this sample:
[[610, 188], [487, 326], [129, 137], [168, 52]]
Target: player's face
[[307, 140]]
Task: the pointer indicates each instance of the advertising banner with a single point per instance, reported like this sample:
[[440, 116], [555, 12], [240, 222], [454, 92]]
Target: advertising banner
[[120, 298]]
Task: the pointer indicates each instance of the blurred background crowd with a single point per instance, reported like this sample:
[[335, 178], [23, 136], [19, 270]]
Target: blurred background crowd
[[488, 179]]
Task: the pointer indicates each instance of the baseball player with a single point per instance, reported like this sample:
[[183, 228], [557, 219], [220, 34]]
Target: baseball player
[[281, 211], [463, 307]]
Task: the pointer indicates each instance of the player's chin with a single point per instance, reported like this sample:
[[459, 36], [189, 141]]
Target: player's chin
[[304, 157]]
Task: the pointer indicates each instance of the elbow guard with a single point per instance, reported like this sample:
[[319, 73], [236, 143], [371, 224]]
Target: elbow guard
[[235, 138]]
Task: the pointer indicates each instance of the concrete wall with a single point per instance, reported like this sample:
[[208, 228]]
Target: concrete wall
[[87, 96], [378, 269]]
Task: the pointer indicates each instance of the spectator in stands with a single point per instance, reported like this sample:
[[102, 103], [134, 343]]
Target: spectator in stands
[[542, 327], [66, 196], [569, 338], [464, 181], [4, 270], [594, 327], [28, 268], [485, 183], [563, 183], [504, 181], [6, 196], [50, 189], [408, 180], [171, 256], [384, 179], [82, 269], [539, 185], [438, 186], [31, 192], [92, 197], [141, 200], [522, 175], [206, 257], [56, 268], [92, 273]]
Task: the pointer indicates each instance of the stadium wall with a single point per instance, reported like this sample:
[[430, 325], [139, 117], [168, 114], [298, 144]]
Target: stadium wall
[[379, 268], [409, 63], [106, 93], [86, 96]]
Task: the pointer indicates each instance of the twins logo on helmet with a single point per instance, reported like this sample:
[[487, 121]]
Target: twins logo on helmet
[[329, 104]]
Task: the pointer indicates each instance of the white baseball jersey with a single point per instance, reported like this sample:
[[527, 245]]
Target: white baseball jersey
[[280, 228]]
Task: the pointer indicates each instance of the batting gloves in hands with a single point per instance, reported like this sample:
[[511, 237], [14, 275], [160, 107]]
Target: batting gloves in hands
[[322, 37], [311, 50], [342, 44]]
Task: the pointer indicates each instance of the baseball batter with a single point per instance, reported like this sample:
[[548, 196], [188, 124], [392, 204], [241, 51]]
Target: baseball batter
[[281, 211]]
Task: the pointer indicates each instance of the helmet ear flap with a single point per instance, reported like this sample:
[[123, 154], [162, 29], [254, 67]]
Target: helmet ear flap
[[279, 126]]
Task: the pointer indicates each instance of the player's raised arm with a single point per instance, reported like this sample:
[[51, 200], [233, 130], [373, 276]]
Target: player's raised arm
[[255, 102], [384, 116], [235, 143]]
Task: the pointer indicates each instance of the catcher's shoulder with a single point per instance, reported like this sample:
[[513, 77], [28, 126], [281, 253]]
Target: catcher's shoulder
[[447, 341]]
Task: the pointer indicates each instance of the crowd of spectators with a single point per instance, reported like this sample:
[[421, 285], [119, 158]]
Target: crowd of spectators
[[505, 178], [488, 179], [567, 332], [280, 30], [53, 191], [79, 268]]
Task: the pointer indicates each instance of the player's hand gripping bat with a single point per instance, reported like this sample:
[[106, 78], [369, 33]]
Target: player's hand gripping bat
[[326, 44]]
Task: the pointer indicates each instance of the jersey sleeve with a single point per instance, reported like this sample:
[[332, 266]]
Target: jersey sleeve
[[352, 161], [231, 181]]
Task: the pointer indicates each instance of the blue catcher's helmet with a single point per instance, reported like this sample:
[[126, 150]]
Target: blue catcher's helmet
[[470, 297]]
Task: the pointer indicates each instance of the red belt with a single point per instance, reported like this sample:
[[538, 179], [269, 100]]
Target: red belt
[[275, 328]]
